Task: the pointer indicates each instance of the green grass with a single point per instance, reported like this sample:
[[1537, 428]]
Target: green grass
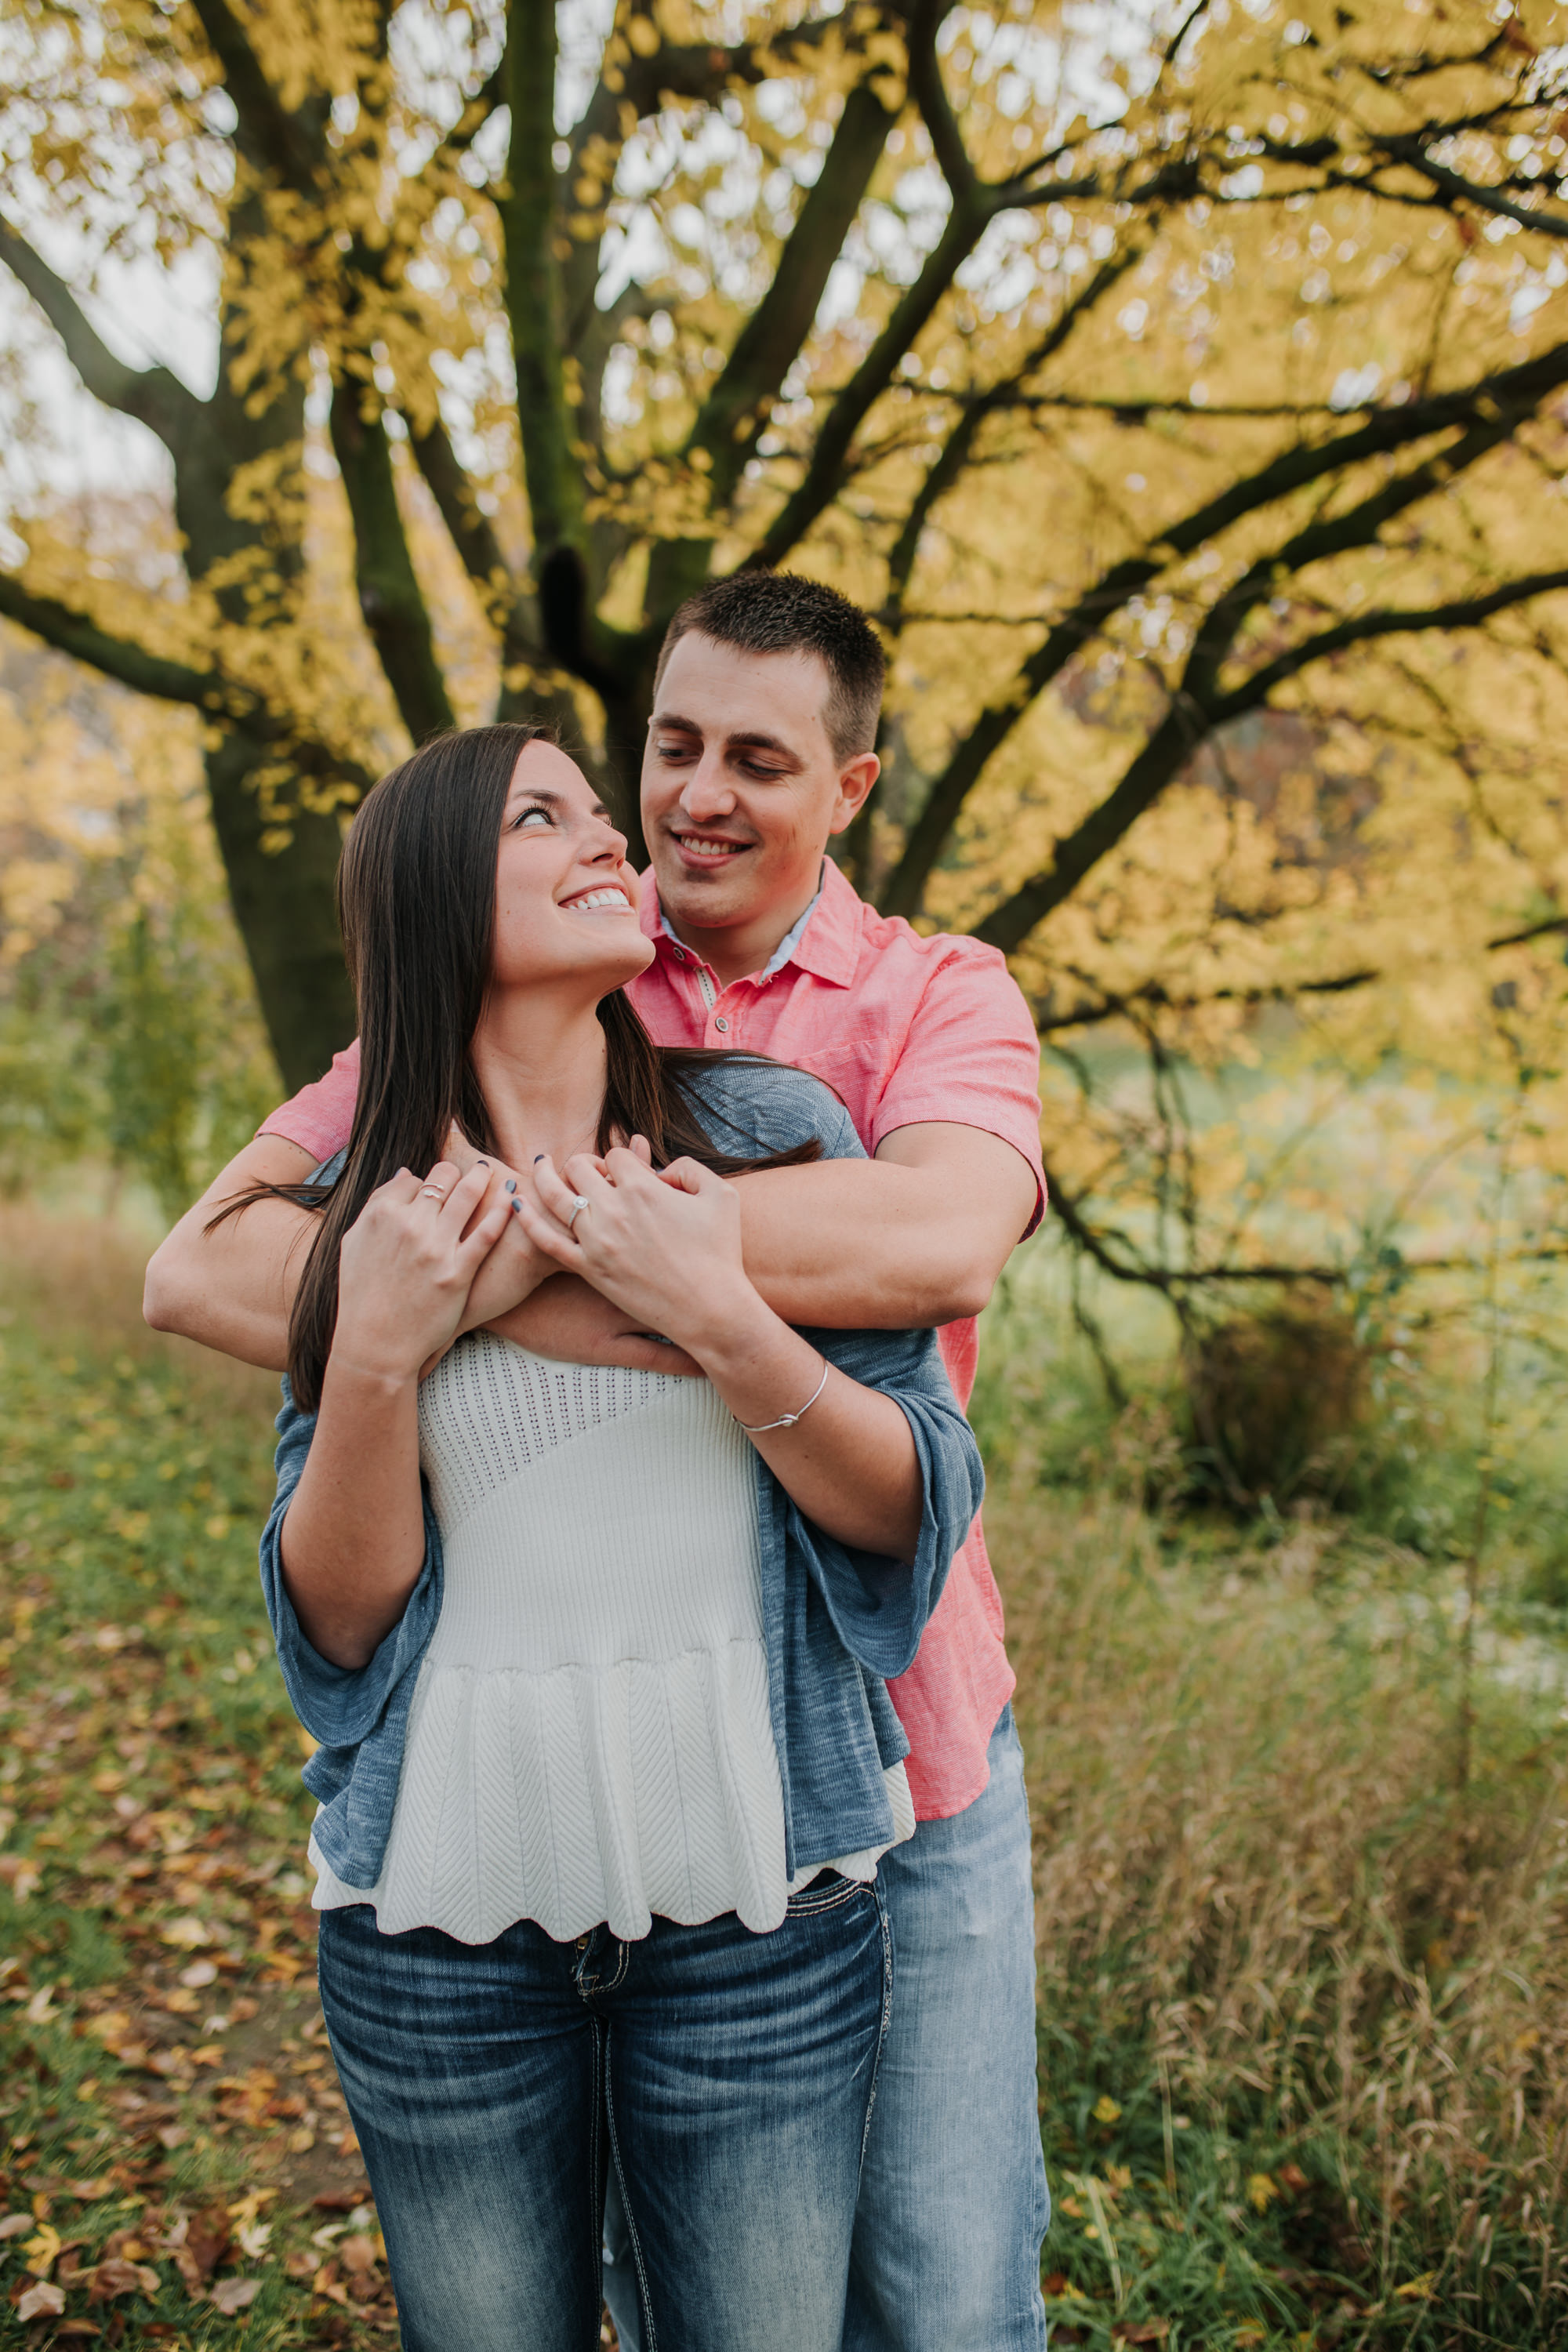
[[1303, 1999]]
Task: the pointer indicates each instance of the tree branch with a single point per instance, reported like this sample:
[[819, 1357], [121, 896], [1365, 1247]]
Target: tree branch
[[1464, 613], [955, 452], [1513, 392], [1172, 1280], [930, 93], [153, 396], [1087, 1012], [1191, 719], [389, 595], [128, 664], [530, 228], [274, 139], [479, 549], [820, 484], [1413, 153], [732, 415]]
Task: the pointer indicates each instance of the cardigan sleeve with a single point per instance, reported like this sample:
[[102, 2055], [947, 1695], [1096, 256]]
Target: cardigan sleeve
[[880, 1606], [339, 1706]]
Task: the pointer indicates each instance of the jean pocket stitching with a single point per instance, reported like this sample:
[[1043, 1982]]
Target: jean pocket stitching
[[812, 1899]]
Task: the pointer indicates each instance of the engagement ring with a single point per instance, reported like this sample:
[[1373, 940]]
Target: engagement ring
[[579, 1202]]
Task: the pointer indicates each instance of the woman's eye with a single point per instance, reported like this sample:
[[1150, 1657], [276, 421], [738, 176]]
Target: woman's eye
[[530, 815]]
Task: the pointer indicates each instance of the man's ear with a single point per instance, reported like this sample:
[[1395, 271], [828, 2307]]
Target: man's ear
[[855, 782]]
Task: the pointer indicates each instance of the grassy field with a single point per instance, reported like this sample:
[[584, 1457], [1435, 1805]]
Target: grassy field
[[1303, 2024]]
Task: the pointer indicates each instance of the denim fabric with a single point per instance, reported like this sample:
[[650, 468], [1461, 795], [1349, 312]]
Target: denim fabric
[[837, 1621], [725, 2078], [954, 2203], [952, 2197]]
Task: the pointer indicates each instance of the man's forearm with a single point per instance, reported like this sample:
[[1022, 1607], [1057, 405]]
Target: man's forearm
[[912, 1239], [233, 1289], [857, 1244]]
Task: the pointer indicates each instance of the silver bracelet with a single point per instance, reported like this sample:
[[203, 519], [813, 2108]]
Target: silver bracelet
[[787, 1420]]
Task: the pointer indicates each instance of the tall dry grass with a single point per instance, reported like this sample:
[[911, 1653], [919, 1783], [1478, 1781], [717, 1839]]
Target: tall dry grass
[[1268, 1914], [76, 1275]]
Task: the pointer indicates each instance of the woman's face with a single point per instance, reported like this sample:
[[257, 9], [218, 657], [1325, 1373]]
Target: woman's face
[[566, 900]]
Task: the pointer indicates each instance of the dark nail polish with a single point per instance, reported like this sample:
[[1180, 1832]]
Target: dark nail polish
[[481, 1163], [537, 1158], [517, 1208], [511, 1183]]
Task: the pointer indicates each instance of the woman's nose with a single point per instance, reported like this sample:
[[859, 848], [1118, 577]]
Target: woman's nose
[[610, 848]]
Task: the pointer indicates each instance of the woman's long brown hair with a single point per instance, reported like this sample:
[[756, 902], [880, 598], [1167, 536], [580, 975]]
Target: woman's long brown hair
[[417, 890]]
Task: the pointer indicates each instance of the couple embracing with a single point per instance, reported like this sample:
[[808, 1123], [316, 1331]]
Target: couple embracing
[[671, 1850]]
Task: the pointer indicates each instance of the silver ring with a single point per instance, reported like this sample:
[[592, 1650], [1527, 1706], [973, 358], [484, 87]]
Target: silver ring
[[431, 1193], [579, 1202]]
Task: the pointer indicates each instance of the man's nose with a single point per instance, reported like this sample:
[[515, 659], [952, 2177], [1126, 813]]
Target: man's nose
[[708, 791]]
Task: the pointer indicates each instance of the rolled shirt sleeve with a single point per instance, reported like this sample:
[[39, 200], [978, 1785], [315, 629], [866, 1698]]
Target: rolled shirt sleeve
[[970, 1057]]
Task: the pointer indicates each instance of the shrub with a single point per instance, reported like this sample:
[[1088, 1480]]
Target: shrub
[[1280, 1403]]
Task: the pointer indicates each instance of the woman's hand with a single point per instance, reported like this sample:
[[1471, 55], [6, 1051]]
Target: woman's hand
[[408, 1262], [515, 1267], [665, 1247]]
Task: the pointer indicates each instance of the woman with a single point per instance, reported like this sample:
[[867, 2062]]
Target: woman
[[594, 1656]]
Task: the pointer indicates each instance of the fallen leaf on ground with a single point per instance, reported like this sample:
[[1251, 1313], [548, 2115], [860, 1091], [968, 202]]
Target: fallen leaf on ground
[[40, 2251], [118, 2276], [233, 2294], [190, 1934], [41, 2300]]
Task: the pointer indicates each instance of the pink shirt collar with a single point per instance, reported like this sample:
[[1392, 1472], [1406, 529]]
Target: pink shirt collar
[[830, 946]]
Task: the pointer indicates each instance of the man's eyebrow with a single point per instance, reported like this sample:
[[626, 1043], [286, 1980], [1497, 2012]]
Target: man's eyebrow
[[753, 739], [748, 738]]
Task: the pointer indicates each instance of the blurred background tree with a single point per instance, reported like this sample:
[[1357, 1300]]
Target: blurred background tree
[[1183, 391]]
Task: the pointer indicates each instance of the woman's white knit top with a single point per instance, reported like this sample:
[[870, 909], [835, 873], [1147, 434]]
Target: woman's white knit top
[[589, 1739]]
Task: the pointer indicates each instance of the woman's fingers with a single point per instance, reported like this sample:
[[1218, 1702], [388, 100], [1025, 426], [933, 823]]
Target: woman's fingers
[[581, 1180], [462, 1197], [545, 1229], [477, 1244], [643, 1149]]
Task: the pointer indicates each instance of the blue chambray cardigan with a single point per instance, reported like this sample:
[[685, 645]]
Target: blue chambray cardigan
[[837, 1621]]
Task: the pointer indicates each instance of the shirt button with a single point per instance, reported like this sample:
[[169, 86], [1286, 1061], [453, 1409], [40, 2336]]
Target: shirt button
[[720, 1023]]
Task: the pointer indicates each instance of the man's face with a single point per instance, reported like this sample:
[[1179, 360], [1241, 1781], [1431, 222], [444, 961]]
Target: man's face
[[740, 786]]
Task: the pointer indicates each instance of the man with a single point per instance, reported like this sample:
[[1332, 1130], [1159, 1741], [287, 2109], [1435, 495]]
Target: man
[[759, 750]]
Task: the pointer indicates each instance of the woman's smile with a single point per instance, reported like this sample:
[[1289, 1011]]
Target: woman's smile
[[602, 899]]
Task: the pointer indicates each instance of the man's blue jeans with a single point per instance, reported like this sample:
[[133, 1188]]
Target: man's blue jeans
[[724, 2077], [953, 2205]]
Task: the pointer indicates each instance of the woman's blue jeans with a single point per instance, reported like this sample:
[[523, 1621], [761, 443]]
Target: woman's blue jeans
[[726, 2077]]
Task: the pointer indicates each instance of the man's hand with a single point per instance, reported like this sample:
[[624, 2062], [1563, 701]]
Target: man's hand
[[573, 1325]]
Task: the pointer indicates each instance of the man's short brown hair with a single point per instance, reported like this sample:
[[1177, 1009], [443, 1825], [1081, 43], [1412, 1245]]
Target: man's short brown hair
[[780, 613]]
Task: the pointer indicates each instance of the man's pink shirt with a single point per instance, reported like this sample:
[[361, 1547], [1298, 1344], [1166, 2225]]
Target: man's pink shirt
[[905, 1030]]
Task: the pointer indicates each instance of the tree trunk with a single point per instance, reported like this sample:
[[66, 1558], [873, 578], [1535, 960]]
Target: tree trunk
[[285, 903]]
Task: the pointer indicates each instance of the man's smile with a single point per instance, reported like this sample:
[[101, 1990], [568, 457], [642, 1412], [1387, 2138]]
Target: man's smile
[[706, 848]]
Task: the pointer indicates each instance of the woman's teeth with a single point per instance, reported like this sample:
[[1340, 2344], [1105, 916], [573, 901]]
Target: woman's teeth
[[595, 902]]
